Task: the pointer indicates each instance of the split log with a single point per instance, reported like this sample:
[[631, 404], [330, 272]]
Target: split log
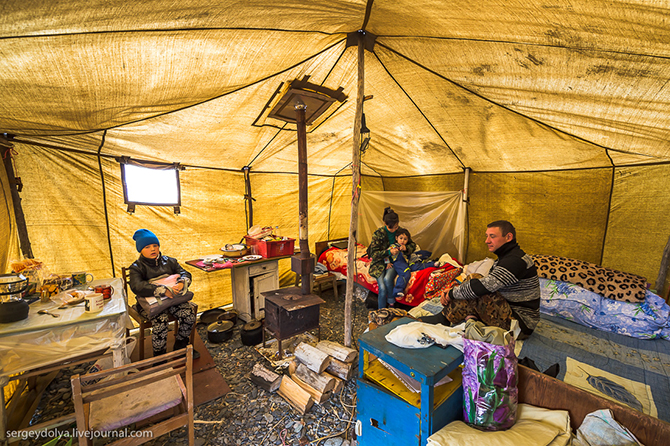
[[319, 382], [312, 357], [265, 378], [339, 383], [319, 397], [341, 369], [295, 395], [338, 351]]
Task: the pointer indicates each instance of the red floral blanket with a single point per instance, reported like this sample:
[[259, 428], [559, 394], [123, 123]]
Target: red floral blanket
[[335, 259]]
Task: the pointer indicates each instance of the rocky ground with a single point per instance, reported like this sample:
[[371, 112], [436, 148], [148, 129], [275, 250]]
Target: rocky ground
[[248, 415]]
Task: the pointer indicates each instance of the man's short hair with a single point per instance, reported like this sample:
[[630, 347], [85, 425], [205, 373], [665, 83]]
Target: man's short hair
[[505, 227]]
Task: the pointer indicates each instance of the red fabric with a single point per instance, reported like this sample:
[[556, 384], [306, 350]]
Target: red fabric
[[416, 288], [335, 259], [443, 281]]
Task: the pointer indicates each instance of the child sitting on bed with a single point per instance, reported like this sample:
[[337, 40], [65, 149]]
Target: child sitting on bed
[[402, 265]]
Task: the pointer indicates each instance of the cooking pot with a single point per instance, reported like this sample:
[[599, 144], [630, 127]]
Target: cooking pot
[[12, 286], [229, 315], [252, 333], [235, 250], [210, 316], [219, 331], [12, 306]]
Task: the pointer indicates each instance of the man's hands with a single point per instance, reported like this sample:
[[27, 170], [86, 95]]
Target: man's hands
[[444, 298]]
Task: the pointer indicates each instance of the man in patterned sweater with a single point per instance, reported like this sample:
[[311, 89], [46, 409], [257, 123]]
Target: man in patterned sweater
[[511, 288]]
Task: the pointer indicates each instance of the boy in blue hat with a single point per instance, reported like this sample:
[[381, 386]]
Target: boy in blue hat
[[151, 265]]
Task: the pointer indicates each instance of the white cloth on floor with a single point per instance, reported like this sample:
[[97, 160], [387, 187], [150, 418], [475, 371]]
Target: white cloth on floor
[[599, 428], [423, 335]]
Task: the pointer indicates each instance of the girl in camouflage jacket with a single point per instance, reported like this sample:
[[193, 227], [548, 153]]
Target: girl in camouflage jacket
[[379, 252]]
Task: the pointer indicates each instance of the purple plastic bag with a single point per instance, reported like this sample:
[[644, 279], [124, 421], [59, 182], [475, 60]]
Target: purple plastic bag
[[489, 385]]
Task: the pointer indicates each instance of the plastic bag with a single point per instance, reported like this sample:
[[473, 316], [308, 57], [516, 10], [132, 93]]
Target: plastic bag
[[489, 385], [107, 362]]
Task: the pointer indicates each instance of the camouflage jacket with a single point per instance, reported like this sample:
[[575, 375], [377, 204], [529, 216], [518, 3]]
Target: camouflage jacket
[[378, 251]]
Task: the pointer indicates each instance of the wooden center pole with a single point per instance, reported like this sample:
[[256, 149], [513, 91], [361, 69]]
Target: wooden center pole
[[6, 152], [305, 275], [355, 193]]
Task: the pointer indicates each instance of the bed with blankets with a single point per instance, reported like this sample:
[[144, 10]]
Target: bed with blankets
[[333, 255], [609, 334]]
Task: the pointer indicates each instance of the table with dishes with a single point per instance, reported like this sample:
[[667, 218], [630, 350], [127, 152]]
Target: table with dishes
[[58, 330]]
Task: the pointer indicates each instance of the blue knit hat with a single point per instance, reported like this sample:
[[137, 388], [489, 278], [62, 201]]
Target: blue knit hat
[[144, 237]]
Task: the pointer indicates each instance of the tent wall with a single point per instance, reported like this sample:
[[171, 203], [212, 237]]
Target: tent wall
[[565, 213], [67, 224], [638, 228], [555, 213]]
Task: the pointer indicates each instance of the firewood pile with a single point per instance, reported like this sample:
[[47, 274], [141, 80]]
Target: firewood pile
[[315, 374]]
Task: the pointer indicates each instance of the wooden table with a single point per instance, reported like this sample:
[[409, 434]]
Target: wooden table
[[249, 280], [42, 343]]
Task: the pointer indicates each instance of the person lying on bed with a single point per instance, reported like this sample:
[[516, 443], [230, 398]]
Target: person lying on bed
[[403, 264], [379, 251], [511, 288]]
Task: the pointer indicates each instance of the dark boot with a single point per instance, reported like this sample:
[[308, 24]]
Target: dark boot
[[158, 353], [179, 344]]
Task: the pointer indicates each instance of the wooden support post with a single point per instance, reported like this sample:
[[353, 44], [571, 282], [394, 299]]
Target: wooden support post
[[355, 193], [6, 149]]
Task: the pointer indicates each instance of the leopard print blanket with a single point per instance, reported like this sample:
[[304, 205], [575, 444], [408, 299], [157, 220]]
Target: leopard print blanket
[[607, 282]]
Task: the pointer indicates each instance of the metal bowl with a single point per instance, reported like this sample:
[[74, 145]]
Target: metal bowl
[[235, 250]]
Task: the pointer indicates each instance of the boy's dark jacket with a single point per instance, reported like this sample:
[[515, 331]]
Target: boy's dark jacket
[[143, 270]]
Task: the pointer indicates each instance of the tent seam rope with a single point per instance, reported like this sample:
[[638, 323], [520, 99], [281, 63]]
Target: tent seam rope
[[579, 138], [419, 110], [104, 202], [204, 101], [510, 42]]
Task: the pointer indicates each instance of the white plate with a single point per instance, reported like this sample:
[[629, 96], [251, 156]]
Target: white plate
[[210, 258], [251, 257]]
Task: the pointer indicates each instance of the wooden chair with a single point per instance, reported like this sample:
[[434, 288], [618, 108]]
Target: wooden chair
[[145, 323], [134, 392], [320, 280]]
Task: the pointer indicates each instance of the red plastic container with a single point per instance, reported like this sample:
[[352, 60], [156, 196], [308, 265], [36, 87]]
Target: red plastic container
[[273, 248]]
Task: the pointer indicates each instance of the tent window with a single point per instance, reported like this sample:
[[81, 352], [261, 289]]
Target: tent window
[[150, 185]]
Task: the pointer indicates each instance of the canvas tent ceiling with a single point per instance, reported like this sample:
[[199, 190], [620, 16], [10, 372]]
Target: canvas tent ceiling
[[561, 110]]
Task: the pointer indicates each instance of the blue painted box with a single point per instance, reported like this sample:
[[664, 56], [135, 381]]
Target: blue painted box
[[390, 418]]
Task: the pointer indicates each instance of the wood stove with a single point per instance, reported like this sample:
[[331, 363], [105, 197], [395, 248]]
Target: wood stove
[[289, 313]]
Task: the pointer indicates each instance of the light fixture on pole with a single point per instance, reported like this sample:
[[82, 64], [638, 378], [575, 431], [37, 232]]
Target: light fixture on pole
[[365, 136]]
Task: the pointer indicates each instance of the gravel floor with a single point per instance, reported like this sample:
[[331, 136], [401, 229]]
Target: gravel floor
[[248, 415]]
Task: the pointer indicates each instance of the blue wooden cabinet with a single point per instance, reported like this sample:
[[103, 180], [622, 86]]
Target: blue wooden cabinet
[[391, 415]]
